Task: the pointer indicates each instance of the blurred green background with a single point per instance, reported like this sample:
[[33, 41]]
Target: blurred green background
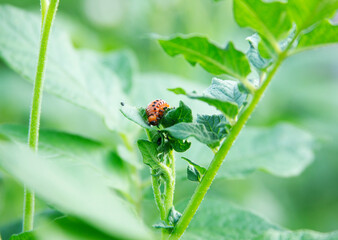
[[304, 92]]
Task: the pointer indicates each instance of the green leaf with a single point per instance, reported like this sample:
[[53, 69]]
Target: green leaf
[[184, 130], [297, 235], [79, 77], [222, 94], [180, 145], [202, 170], [322, 35], [173, 116], [218, 219], [270, 20], [308, 12], [212, 58], [23, 236], [174, 216], [123, 63], [149, 153], [283, 150], [193, 174], [73, 190], [137, 115], [74, 149], [215, 123]]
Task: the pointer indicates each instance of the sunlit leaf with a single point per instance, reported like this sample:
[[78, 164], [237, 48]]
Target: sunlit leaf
[[180, 114], [269, 19], [322, 35], [308, 12], [212, 58]]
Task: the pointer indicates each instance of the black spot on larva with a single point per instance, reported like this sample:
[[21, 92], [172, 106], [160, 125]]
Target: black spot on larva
[[153, 105], [154, 109]]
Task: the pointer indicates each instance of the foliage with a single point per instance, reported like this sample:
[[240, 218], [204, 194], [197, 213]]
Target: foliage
[[101, 188]]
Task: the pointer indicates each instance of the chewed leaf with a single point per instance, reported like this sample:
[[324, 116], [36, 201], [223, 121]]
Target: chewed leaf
[[222, 94], [137, 115], [212, 58]]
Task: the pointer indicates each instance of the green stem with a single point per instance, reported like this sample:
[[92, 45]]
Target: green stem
[[218, 159], [33, 135], [170, 186], [157, 195]]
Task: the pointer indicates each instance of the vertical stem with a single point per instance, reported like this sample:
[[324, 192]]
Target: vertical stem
[[216, 163], [33, 135]]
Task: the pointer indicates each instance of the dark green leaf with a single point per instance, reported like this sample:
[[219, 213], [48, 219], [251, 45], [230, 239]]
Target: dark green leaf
[[180, 145], [193, 174], [308, 12], [202, 170], [322, 35], [270, 20], [212, 58], [137, 115], [23, 236], [173, 116]]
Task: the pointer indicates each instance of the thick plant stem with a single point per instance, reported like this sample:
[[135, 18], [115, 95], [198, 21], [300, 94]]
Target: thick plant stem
[[157, 194], [33, 135], [218, 159]]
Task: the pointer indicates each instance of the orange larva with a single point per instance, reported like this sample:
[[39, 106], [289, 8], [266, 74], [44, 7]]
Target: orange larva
[[155, 111]]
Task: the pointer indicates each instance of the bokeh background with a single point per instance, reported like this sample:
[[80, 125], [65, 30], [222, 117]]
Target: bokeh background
[[304, 92]]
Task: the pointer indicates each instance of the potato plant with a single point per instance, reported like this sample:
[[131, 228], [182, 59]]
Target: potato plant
[[100, 190]]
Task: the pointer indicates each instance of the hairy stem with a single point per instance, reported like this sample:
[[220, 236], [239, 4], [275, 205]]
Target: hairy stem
[[33, 135], [219, 157]]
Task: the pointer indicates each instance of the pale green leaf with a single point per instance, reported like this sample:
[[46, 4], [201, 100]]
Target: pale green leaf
[[308, 12], [184, 130], [254, 55], [73, 149], [283, 150], [137, 115], [218, 219], [322, 35], [212, 58], [79, 77], [270, 20], [222, 94], [73, 190], [297, 235]]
